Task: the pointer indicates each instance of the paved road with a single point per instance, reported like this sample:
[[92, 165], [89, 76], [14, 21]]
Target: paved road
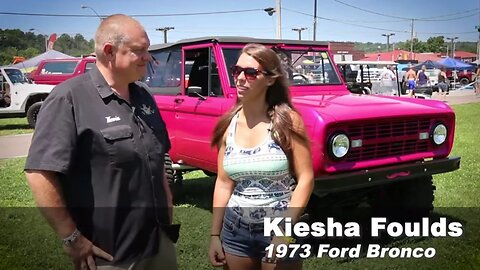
[[17, 145], [14, 146]]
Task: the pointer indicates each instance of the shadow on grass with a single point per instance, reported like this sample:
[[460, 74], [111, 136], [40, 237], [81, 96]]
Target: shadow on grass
[[15, 126], [196, 191]]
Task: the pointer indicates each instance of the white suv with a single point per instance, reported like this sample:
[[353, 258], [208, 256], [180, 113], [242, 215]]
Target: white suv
[[19, 97]]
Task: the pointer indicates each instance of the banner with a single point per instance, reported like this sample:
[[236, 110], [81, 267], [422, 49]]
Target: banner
[[51, 41]]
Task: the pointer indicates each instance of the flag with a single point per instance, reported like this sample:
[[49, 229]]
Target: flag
[[51, 41]]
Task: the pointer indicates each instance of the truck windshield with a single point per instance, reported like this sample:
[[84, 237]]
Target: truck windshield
[[16, 76], [303, 67]]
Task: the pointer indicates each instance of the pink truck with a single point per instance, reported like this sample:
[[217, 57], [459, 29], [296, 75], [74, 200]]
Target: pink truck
[[364, 147]]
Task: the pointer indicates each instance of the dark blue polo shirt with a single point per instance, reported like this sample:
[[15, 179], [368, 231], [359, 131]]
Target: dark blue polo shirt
[[109, 157]]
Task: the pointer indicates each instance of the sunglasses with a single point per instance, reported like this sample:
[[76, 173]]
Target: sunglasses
[[249, 72]]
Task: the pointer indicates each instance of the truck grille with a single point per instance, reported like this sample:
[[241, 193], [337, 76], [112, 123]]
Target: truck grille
[[388, 138]]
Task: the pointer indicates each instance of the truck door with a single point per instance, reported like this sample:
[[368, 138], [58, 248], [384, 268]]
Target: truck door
[[199, 106], [164, 80]]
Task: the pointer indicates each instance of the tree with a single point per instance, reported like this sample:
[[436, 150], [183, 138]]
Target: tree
[[14, 42], [435, 44], [75, 46]]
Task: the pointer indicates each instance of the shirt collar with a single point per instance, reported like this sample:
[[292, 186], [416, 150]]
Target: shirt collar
[[104, 90]]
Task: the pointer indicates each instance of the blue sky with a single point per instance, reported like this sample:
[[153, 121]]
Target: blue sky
[[338, 20]]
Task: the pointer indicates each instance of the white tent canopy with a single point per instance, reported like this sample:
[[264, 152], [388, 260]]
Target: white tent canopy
[[33, 62]]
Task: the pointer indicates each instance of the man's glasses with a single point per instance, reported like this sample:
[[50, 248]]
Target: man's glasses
[[249, 72]]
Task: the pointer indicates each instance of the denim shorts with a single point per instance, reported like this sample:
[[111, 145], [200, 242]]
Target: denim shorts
[[242, 238]]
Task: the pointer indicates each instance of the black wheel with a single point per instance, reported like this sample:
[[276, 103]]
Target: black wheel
[[409, 199], [174, 178], [32, 113], [464, 81]]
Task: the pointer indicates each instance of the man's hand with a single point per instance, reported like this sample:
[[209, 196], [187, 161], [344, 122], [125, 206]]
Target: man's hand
[[82, 253]]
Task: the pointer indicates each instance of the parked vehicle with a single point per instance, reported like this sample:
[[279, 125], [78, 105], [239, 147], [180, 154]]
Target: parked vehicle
[[364, 77], [463, 77], [379, 149], [55, 71], [18, 97]]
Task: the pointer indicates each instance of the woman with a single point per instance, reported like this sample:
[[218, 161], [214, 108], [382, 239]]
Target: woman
[[422, 77], [442, 85], [264, 165]]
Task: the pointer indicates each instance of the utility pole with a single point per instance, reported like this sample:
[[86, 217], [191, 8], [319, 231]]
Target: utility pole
[[278, 9], [452, 40], [270, 11], [411, 40], [165, 30], [315, 20], [299, 30], [478, 43], [388, 39]]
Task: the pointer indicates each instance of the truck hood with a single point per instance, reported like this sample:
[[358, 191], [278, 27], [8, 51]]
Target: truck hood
[[34, 88], [358, 107]]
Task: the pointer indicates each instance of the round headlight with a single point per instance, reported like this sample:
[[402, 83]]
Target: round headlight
[[340, 144], [439, 134]]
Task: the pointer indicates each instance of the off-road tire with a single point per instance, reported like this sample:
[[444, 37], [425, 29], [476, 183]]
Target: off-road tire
[[32, 113], [174, 178], [464, 81]]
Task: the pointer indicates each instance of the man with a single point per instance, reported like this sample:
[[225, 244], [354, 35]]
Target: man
[[95, 165], [411, 78], [388, 79]]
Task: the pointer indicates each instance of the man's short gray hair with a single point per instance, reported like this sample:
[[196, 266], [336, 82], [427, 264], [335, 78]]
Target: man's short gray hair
[[111, 30]]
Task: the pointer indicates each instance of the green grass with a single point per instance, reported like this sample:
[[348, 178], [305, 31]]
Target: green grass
[[13, 126], [26, 242]]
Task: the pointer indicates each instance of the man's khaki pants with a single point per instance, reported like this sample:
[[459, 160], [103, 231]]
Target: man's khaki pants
[[165, 259]]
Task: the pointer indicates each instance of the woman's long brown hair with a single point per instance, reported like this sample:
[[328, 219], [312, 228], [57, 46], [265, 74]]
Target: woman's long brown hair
[[279, 105]]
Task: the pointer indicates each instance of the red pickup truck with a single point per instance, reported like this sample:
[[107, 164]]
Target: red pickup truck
[[55, 71]]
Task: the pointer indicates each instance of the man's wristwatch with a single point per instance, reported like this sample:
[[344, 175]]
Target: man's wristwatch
[[69, 240]]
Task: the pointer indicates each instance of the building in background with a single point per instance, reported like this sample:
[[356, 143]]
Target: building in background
[[345, 51]]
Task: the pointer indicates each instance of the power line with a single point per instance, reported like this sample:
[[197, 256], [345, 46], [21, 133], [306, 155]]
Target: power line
[[373, 12], [474, 11], [351, 21], [354, 23], [451, 19], [132, 15], [429, 19], [419, 19], [347, 23]]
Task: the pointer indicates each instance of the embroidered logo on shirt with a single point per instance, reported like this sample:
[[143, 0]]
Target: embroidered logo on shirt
[[111, 119], [147, 110]]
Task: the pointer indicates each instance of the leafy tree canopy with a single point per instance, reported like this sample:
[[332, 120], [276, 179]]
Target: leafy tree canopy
[[14, 42]]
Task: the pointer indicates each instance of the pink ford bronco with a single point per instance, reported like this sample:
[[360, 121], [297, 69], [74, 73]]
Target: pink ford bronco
[[364, 147]]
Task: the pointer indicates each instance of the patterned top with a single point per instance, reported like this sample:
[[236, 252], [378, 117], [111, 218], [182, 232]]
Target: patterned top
[[263, 182]]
